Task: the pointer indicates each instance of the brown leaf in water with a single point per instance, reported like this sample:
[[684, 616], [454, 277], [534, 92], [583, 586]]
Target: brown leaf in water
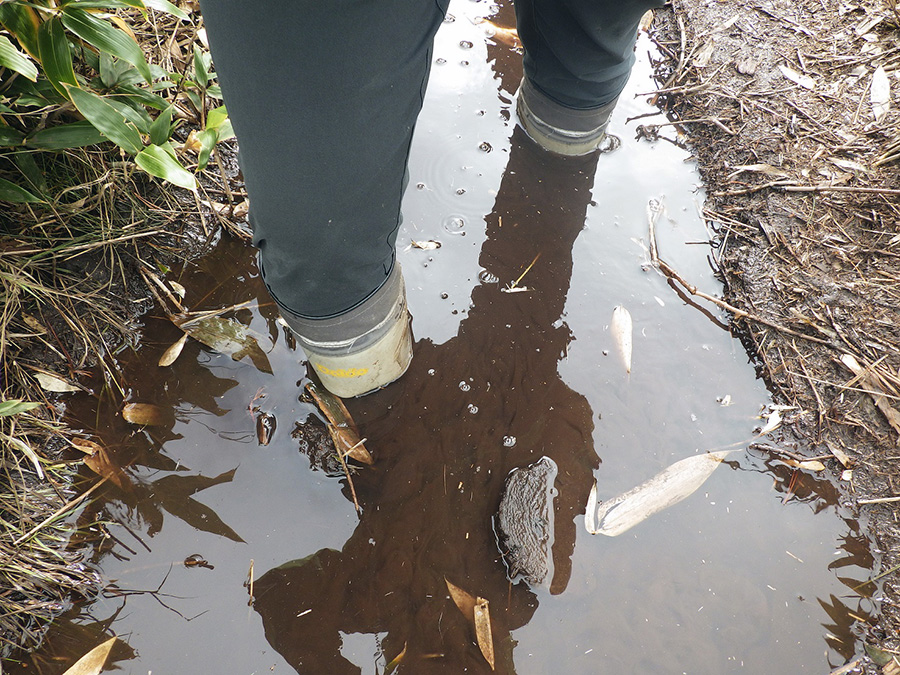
[[97, 460], [346, 436], [265, 427], [92, 662], [483, 630], [464, 600], [808, 465], [173, 352], [392, 666], [665, 489], [226, 336], [144, 414]]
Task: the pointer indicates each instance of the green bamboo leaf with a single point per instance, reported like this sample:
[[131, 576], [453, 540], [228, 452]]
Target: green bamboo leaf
[[131, 112], [22, 21], [14, 406], [161, 128], [155, 160], [33, 174], [208, 139], [65, 136], [103, 4], [10, 192], [143, 96], [10, 138], [12, 58], [167, 7], [201, 70], [216, 116], [107, 119], [105, 37], [56, 58]]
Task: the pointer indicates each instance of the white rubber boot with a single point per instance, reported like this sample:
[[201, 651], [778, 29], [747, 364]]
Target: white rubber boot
[[364, 350], [565, 131]]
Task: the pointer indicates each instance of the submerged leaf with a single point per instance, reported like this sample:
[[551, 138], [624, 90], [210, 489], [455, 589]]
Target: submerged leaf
[[343, 430], [92, 662], [98, 461], [464, 600], [621, 328], [172, 353], [483, 630], [145, 414], [665, 489], [590, 513], [227, 336]]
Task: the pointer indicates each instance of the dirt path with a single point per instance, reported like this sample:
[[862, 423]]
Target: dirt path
[[791, 109]]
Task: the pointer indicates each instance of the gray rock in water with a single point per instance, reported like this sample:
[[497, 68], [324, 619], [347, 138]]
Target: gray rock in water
[[525, 522]]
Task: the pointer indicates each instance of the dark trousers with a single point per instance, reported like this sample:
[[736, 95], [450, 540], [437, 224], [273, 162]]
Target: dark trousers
[[324, 95]]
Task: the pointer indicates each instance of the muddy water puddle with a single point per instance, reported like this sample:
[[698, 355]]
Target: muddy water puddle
[[757, 572]]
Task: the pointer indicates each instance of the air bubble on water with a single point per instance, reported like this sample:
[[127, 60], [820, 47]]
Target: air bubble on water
[[465, 44], [472, 408], [431, 371], [461, 191], [440, 61], [454, 225], [487, 147], [444, 296], [464, 386], [509, 441], [463, 63], [488, 278], [420, 186], [449, 18]]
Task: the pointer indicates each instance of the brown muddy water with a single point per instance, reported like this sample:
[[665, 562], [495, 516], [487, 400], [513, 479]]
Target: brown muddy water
[[754, 573]]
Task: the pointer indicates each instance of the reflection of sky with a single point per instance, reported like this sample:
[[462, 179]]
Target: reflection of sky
[[729, 580]]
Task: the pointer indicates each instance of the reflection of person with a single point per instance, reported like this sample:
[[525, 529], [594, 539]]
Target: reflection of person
[[442, 460], [324, 97]]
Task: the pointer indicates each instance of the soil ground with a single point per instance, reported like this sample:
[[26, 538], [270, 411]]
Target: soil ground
[[791, 111]]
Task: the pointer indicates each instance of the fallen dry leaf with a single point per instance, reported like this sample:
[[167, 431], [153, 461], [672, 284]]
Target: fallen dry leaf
[[57, 385], [144, 414], [880, 94], [172, 353], [808, 464], [92, 662], [794, 76], [665, 489], [426, 245], [483, 630], [346, 436], [226, 336], [621, 329]]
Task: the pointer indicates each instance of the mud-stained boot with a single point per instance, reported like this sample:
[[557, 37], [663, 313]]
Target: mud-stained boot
[[363, 350], [565, 131]]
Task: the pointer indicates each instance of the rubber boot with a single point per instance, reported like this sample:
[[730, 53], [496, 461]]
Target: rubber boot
[[565, 131], [364, 349]]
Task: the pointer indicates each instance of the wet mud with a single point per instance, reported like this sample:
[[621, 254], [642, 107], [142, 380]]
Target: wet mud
[[762, 570]]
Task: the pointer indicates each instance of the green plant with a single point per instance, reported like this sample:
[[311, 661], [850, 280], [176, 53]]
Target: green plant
[[72, 74]]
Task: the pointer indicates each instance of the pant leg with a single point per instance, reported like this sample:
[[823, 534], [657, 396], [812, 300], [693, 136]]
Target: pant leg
[[579, 53], [323, 97]]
